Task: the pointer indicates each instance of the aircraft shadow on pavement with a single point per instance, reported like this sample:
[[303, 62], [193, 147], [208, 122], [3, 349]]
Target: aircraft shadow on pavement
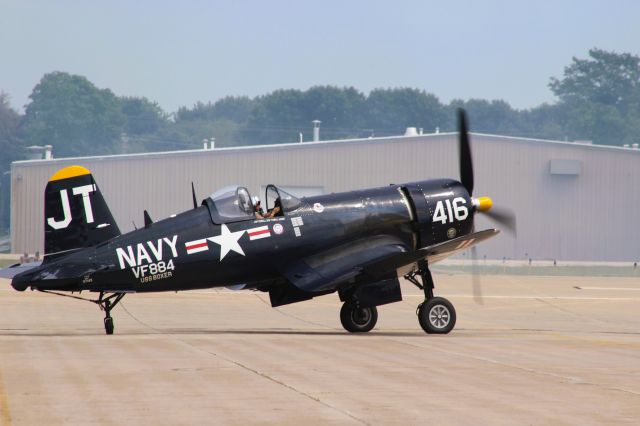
[[205, 331]]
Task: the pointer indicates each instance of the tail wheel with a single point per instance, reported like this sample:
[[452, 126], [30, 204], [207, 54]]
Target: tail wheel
[[358, 320], [437, 316], [108, 325]]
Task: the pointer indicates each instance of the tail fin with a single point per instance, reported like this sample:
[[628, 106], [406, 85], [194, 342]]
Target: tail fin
[[75, 213]]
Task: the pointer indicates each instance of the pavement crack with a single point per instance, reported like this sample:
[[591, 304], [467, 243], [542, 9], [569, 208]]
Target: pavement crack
[[283, 384], [573, 314], [139, 321], [252, 370]]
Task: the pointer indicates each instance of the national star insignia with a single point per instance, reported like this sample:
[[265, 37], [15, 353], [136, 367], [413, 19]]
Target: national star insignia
[[228, 241]]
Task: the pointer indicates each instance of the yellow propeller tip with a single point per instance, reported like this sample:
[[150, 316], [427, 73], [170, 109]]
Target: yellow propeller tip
[[483, 203]]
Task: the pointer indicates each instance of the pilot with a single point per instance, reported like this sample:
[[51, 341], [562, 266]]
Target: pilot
[[276, 210], [257, 208]]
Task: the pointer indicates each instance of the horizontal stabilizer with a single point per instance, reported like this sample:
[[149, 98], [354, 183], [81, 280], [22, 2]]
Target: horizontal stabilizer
[[12, 271]]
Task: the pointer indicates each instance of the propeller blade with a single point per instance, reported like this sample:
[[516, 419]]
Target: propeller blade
[[466, 163], [504, 217]]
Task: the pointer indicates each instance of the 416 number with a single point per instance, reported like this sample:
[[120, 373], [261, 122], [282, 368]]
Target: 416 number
[[447, 210]]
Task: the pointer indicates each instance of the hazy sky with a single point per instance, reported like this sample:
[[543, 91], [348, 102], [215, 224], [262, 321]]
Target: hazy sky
[[178, 53]]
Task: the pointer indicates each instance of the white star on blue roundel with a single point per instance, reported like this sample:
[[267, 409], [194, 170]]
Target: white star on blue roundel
[[228, 241]]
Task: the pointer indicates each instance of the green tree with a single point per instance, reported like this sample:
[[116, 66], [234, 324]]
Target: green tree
[[391, 111], [495, 116], [188, 134], [225, 120], [233, 108], [601, 97], [339, 109], [603, 124], [281, 115], [546, 121], [11, 149], [70, 113], [142, 116], [607, 78], [277, 118]]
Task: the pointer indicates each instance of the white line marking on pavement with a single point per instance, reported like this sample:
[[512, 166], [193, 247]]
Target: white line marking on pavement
[[609, 288], [532, 297]]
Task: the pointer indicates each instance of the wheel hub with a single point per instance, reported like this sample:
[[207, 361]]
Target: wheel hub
[[439, 316], [361, 316]]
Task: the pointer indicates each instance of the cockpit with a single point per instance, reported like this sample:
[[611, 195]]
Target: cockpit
[[278, 197], [234, 203]]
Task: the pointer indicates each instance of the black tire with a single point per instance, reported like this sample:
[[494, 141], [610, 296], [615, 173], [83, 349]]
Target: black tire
[[358, 320], [108, 325], [437, 316]]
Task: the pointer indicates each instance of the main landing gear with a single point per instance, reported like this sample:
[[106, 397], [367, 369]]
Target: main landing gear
[[357, 319], [107, 303], [436, 314]]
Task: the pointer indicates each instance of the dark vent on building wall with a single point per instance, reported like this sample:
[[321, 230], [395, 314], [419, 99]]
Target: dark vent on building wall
[[565, 167]]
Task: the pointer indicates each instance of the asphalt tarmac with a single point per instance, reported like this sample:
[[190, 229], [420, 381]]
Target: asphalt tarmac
[[538, 351]]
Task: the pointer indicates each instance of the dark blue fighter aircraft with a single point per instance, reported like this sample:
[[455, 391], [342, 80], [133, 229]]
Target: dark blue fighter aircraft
[[356, 243]]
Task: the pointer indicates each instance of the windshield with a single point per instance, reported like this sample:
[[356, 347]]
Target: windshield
[[278, 196], [233, 203]]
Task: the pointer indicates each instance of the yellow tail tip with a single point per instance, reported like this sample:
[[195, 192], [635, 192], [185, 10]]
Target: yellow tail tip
[[69, 172]]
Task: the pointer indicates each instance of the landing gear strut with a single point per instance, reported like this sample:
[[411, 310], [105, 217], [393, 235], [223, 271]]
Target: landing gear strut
[[107, 304], [436, 315]]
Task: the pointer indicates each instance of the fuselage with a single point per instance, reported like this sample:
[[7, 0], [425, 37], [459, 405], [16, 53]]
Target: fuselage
[[195, 250]]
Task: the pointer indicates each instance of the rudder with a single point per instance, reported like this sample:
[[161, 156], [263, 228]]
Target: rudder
[[75, 213]]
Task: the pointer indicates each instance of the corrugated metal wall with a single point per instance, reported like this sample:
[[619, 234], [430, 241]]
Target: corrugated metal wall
[[592, 216]]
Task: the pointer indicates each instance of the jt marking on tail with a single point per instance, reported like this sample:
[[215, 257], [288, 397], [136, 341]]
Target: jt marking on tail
[[84, 191], [75, 213]]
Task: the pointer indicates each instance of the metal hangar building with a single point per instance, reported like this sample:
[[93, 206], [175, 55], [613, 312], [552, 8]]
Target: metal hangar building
[[573, 201]]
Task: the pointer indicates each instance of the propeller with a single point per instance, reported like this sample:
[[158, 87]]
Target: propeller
[[484, 205], [501, 215], [475, 277]]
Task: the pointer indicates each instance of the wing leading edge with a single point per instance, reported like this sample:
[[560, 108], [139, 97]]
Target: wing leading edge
[[327, 269], [432, 254], [374, 257]]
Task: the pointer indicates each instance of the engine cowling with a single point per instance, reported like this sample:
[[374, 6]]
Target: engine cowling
[[443, 209]]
